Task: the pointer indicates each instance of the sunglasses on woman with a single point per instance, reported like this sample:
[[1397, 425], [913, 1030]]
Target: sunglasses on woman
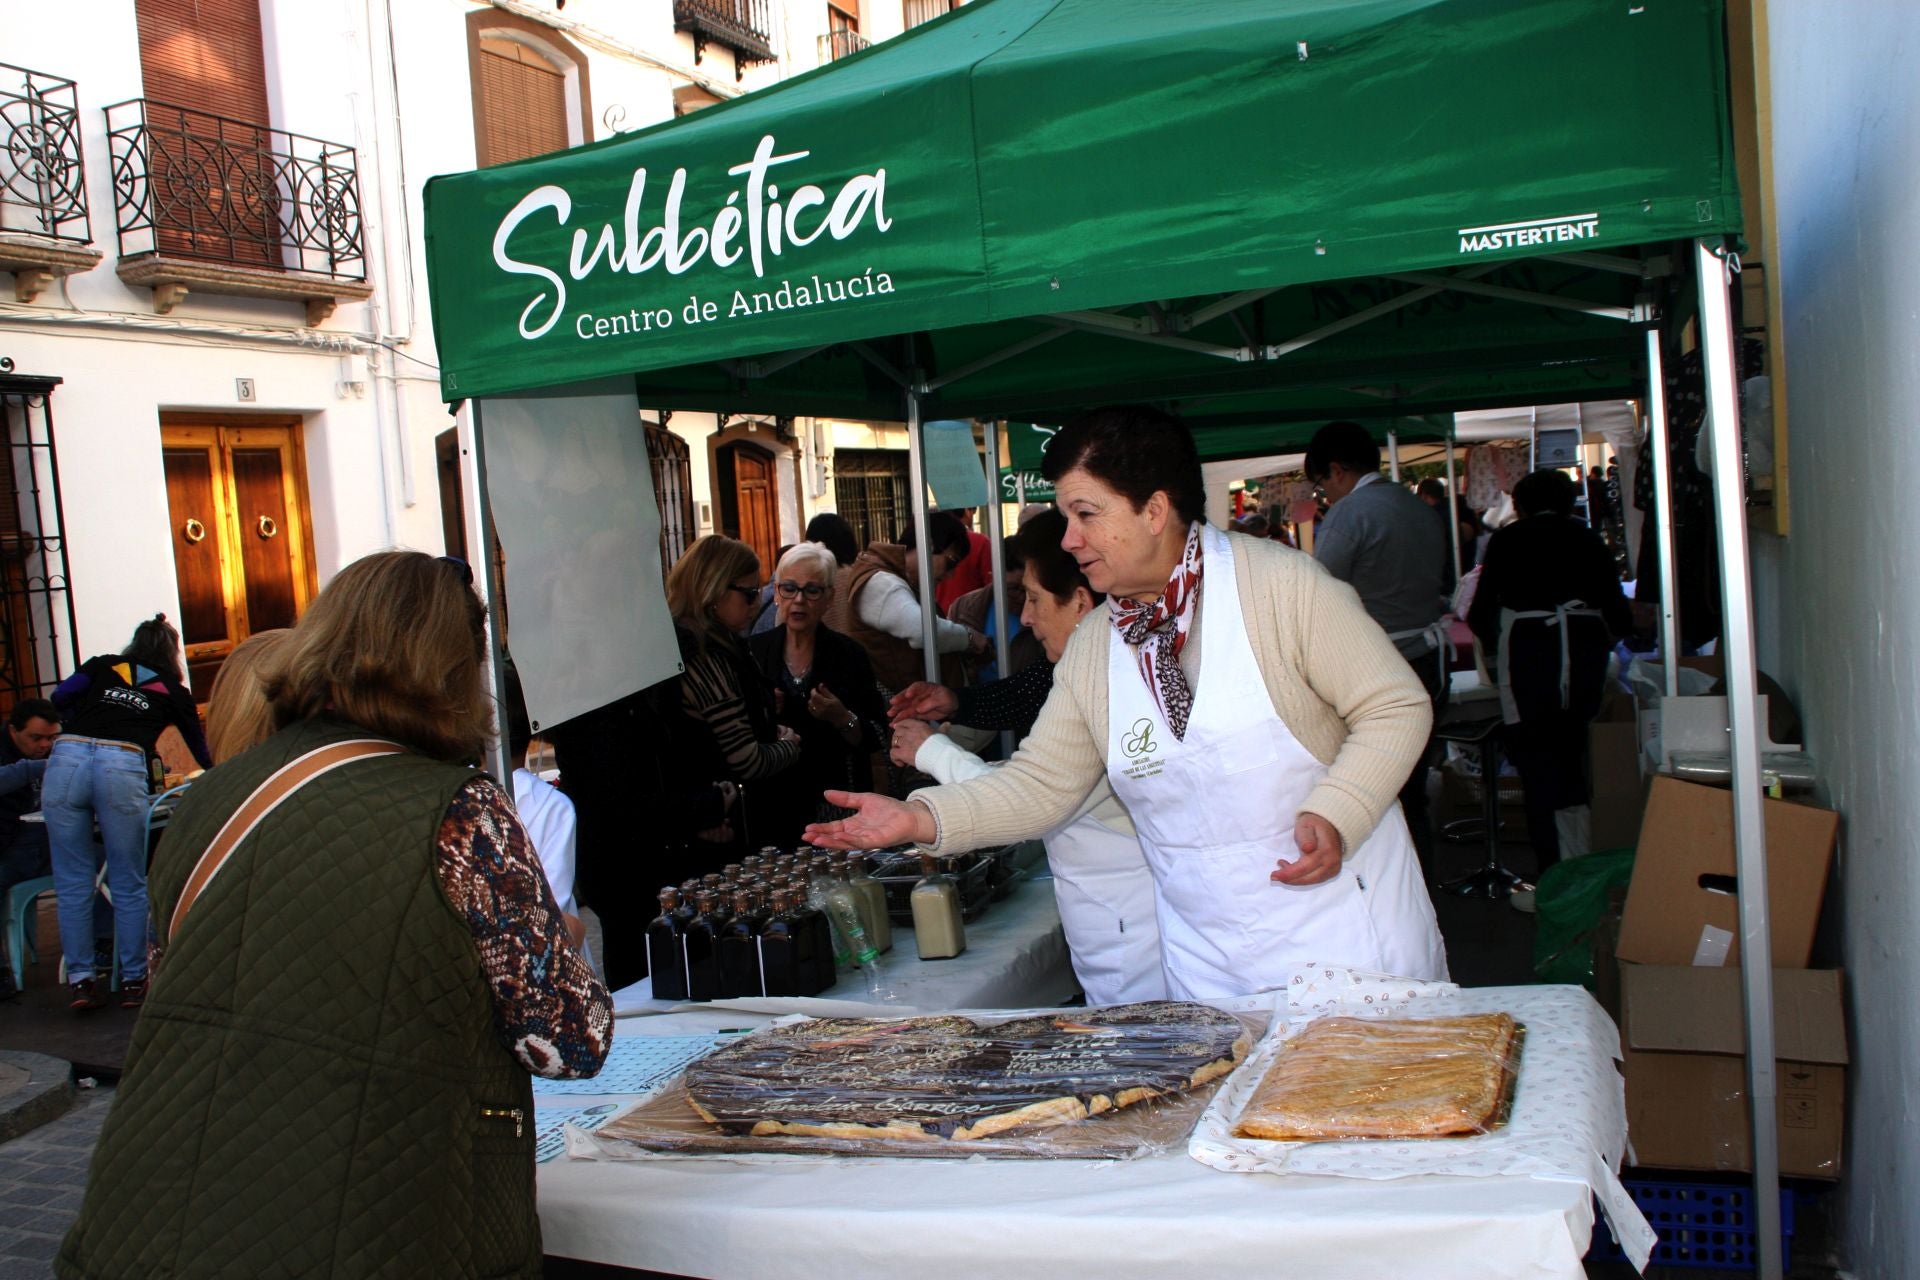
[[788, 589]]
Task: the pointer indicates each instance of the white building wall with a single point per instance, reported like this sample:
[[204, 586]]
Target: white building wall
[[390, 78], [1840, 614]]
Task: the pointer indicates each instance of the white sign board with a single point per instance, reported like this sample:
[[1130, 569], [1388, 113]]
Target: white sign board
[[572, 497], [954, 470]]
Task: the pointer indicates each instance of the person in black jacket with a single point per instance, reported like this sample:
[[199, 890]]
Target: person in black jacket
[[826, 693], [116, 708], [1546, 611]]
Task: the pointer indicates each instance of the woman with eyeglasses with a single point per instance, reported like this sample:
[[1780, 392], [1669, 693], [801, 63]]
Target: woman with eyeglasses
[[825, 691], [712, 591]]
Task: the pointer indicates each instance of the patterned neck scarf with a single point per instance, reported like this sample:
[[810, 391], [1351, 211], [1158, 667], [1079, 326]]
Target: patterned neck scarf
[[1166, 620]]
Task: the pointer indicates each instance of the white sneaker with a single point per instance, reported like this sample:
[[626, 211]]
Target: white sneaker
[[1522, 900]]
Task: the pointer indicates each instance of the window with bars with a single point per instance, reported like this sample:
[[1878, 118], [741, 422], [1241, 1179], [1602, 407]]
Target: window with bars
[[872, 490], [673, 491], [36, 602]]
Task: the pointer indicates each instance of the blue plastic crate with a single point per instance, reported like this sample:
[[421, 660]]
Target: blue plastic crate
[[1700, 1224]]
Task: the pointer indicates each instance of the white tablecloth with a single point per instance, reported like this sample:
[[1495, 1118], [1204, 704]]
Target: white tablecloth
[[1016, 958], [1149, 1219]]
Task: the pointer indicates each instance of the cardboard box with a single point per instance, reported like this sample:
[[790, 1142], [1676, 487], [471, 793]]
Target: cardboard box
[[1684, 1032], [1617, 789], [1682, 906]]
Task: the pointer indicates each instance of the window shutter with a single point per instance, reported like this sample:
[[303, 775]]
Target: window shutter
[[523, 103]]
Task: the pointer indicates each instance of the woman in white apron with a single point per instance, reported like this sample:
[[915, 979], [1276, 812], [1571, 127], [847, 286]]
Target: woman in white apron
[[1257, 724], [1100, 878], [1546, 610]]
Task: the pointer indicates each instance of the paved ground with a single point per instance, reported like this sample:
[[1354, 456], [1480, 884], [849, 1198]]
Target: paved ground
[[42, 1174]]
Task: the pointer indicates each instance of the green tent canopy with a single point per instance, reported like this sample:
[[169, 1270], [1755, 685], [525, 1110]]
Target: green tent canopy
[[1255, 211]]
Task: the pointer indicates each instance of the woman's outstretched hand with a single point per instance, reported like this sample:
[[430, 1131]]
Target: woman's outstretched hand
[[876, 822]]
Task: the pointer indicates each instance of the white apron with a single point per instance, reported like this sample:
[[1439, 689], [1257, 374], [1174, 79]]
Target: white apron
[[1106, 900], [1215, 814], [1556, 617]]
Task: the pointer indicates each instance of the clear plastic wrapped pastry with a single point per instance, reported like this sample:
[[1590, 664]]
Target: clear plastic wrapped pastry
[[1387, 1078]]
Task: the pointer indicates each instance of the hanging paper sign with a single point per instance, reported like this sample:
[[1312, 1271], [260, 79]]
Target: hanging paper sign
[[953, 465]]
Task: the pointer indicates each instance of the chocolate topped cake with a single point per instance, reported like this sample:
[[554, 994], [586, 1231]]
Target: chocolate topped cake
[[951, 1078]]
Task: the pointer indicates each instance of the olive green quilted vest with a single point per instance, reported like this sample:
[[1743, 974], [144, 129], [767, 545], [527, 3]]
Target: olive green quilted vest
[[315, 1087]]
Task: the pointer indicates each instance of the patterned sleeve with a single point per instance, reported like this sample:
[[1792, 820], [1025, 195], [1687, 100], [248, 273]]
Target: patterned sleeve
[[710, 691], [1013, 703], [550, 1011]]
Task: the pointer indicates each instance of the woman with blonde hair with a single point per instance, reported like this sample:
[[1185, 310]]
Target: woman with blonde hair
[[825, 691], [736, 734], [363, 964], [238, 713]]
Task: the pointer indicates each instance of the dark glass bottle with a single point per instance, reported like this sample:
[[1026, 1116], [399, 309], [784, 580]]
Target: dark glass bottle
[[779, 948], [702, 940], [666, 961], [819, 972], [740, 972]]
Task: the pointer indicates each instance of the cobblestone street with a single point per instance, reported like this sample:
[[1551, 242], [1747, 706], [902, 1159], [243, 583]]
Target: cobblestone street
[[42, 1174]]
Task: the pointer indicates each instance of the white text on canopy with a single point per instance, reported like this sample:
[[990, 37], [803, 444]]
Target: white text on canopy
[[769, 227]]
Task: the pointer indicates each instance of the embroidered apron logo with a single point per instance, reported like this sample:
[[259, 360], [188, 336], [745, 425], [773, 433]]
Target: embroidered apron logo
[[1140, 741]]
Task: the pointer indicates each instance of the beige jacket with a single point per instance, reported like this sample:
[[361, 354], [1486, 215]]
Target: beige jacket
[[1331, 674]]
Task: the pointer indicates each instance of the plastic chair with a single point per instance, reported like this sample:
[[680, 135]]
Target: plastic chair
[[19, 910], [100, 886], [1492, 881]]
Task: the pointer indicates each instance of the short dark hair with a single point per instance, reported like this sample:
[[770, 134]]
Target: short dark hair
[[836, 535], [1347, 443], [1048, 564], [1543, 491], [1137, 451], [1432, 488], [944, 532], [32, 709]]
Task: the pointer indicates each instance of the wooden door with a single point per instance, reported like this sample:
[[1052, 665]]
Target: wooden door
[[757, 499], [241, 535]]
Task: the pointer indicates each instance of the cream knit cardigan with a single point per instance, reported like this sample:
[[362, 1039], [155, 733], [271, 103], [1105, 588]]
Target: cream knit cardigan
[[1331, 674]]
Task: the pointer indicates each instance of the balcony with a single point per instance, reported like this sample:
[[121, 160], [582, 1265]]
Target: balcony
[[841, 43], [229, 207], [44, 229], [744, 26]]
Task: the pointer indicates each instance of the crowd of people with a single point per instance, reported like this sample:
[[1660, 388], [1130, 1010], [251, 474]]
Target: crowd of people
[[1204, 839]]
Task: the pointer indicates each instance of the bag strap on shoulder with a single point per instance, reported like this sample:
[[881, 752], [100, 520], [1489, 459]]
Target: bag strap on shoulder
[[268, 796]]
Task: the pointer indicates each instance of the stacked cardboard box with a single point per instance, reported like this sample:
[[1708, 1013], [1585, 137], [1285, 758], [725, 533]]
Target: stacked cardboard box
[[1681, 1007]]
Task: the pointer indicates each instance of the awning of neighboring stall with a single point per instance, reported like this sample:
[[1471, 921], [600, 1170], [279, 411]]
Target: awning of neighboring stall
[[1259, 212]]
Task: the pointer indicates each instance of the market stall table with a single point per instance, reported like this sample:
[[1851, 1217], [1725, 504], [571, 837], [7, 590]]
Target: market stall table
[[841, 1219], [1016, 958]]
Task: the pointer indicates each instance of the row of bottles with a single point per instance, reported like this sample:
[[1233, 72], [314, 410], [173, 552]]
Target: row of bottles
[[787, 924]]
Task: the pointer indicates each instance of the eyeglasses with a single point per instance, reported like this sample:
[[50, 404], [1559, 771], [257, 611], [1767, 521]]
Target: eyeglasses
[[788, 589], [751, 593]]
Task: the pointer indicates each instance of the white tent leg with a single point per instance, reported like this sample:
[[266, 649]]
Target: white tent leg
[[1393, 455], [1749, 824], [995, 528], [1453, 516], [1662, 462], [917, 478], [478, 519]]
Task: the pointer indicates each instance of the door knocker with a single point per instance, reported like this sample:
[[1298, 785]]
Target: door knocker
[[267, 527], [193, 530]]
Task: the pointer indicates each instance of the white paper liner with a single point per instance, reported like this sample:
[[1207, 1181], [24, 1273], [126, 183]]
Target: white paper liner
[[1569, 1120]]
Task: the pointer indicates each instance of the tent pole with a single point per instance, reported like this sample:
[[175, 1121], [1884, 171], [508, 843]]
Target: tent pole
[[1749, 822], [478, 516], [917, 476], [995, 531], [1533, 448], [1453, 516], [1393, 455], [1662, 463]]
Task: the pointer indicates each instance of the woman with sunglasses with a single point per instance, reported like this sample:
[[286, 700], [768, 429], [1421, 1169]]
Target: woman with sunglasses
[[826, 692], [712, 591]]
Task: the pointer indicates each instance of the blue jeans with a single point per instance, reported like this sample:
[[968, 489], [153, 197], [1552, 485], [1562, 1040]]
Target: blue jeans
[[88, 782]]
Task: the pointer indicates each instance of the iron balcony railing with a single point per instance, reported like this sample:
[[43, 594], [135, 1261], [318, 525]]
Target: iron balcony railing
[[43, 186], [841, 44], [197, 185], [744, 26]]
